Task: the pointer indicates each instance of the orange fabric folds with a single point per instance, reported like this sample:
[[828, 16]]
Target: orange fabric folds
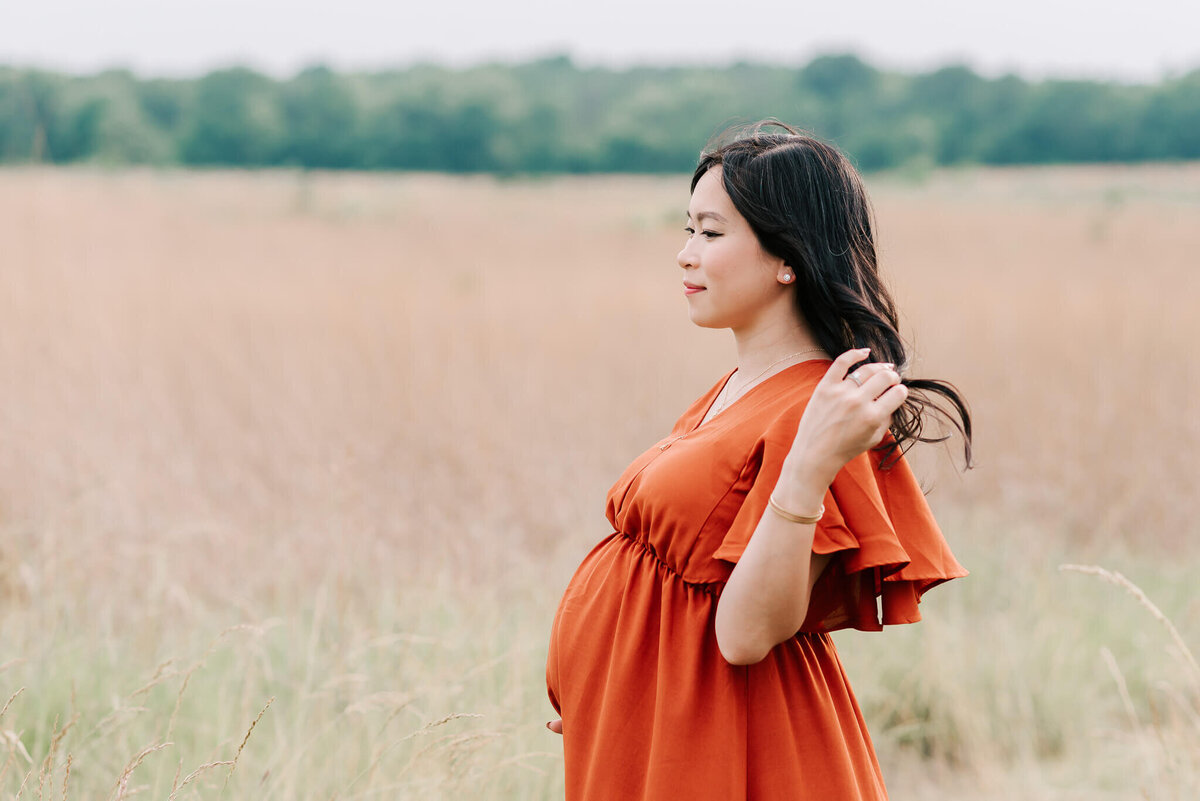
[[650, 708], [889, 548]]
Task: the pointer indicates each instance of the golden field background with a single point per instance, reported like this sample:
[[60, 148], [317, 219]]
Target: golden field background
[[332, 445]]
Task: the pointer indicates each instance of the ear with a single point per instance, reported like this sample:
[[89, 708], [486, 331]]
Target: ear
[[785, 274]]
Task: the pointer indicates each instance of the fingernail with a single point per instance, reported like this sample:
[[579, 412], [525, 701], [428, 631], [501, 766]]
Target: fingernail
[[864, 350], [889, 365]]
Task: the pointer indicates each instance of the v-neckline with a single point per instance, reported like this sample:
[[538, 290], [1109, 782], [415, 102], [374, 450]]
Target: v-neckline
[[705, 423]]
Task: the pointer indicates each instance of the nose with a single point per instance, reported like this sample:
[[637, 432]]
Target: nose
[[685, 257]]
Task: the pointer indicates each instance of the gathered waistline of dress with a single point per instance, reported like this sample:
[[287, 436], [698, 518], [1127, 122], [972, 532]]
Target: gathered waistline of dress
[[709, 587]]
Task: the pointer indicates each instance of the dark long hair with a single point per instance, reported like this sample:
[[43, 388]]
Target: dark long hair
[[808, 206]]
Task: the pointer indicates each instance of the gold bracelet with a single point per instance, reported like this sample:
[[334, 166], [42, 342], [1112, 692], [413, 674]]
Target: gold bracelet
[[794, 518]]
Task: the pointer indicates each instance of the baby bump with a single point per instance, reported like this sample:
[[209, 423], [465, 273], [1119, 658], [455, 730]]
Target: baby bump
[[618, 607], [583, 612], [634, 670]]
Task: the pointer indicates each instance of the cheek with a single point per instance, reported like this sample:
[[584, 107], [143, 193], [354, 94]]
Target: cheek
[[725, 263], [737, 271]]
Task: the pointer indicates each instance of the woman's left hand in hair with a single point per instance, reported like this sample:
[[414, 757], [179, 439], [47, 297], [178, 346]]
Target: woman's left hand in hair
[[848, 413]]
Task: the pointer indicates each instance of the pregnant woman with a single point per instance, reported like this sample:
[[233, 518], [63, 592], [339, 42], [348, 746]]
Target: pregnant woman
[[690, 657]]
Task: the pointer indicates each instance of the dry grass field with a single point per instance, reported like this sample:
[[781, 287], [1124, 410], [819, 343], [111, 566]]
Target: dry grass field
[[293, 468]]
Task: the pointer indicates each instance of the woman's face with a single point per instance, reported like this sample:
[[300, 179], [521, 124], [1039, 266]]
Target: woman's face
[[730, 281]]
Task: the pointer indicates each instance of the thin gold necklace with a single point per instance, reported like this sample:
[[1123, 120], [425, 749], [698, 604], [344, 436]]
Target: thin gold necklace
[[745, 387]]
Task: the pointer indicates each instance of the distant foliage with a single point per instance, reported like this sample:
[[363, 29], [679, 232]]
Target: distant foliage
[[552, 115]]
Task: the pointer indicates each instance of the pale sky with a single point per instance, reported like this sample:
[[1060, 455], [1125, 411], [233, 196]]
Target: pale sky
[[1141, 41]]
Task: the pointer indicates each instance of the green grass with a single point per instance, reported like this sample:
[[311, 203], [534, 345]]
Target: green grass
[[434, 690]]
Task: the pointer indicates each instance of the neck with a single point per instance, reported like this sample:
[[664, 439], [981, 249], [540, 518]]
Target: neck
[[756, 349]]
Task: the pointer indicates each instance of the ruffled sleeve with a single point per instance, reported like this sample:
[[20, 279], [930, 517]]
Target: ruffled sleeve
[[888, 549]]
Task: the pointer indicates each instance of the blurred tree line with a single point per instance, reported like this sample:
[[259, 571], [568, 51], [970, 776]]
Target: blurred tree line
[[551, 115]]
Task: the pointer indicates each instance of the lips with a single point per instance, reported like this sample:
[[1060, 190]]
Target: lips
[[691, 289]]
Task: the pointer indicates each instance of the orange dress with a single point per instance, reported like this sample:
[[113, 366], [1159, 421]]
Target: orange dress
[[650, 708]]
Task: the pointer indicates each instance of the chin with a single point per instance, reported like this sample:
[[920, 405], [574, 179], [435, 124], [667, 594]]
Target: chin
[[704, 315], [705, 322]]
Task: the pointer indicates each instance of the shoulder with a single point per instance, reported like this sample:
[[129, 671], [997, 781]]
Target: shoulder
[[779, 410]]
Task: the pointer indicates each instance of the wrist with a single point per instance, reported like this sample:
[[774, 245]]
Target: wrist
[[804, 471], [801, 488]]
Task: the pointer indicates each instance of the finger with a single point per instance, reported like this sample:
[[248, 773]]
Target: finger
[[893, 398], [555, 726], [842, 364], [860, 376], [880, 381]]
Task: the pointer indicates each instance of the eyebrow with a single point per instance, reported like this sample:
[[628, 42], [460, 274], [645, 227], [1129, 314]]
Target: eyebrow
[[700, 217]]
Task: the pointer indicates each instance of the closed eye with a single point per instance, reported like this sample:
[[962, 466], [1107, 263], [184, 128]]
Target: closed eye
[[706, 234]]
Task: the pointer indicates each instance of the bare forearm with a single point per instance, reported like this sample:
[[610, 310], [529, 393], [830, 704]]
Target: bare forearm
[[766, 598]]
